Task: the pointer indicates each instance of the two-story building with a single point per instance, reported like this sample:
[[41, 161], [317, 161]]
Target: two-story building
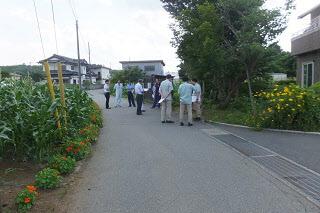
[[150, 67], [70, 69], [305, 45], [102, 73]]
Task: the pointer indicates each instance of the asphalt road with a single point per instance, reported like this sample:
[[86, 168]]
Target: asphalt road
[[141, 165], [301, 148]]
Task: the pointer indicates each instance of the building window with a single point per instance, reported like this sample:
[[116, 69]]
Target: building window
[[151, 68], [72, 68], [64, 67], [307, 74]]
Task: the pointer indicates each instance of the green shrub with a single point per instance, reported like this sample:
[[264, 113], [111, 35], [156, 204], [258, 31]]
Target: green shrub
[[289, 107], [64, 165], [77, 149], [25, 199], [48, 178], [287, 82], [316, 88]]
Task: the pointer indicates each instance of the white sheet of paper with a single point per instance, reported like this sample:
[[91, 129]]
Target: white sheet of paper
[[194, 99], [161, 100]]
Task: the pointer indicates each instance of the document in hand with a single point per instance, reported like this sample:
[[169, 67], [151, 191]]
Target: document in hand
[[161, 100]]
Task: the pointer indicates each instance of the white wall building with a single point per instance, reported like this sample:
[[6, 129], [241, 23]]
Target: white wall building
[[102, 73], [150, 67]]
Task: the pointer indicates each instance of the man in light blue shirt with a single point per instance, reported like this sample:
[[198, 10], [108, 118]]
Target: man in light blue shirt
[[165, 90], [185, 91], [139, 96]]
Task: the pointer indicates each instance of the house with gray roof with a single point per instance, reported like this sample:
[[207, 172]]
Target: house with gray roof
[[70, 69]]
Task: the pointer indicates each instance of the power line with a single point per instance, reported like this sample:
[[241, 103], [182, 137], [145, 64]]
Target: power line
[[73, 10], [35, 9], [54, 27]]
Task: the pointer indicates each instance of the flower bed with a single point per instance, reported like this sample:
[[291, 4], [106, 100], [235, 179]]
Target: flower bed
[[289, 107]]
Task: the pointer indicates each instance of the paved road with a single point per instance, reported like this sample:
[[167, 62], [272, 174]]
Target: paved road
[[301, 148], [141, 165]]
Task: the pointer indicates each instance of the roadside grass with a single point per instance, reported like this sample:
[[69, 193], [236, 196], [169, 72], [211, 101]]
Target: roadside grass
[[230, 115]]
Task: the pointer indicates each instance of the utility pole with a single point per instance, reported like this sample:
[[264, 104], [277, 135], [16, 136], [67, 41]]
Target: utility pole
[[78, 48], [89, 63]]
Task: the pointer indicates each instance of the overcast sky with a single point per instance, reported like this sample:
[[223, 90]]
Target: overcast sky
[[117, 30]]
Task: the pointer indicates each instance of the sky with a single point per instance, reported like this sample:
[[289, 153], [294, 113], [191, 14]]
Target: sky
[[116, 29]]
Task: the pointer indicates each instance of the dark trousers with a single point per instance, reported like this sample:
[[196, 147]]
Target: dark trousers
[[107, 95], [131, 99], [156, 101], [139, 104]]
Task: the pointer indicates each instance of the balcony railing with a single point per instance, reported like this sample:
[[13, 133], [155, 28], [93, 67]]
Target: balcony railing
[[313, 27]]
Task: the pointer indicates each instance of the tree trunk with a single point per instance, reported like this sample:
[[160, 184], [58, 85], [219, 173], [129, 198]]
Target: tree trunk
[[253, 106]]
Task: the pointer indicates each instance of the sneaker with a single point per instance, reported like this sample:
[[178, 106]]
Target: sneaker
[[190, 124], [170, 122], [163, 122], [181, 124]]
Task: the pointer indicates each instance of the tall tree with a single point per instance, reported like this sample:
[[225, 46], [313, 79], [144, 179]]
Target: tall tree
[[223, 42]]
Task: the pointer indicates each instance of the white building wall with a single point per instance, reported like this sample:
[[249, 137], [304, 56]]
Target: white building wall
[[158, 67]]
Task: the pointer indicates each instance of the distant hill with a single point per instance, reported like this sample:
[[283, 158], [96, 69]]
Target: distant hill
[[34, 71]]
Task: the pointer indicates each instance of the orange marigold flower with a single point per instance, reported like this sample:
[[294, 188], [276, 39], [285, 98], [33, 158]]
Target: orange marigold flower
[[31, 188], [27, 200], [69, 149], [82, 143]]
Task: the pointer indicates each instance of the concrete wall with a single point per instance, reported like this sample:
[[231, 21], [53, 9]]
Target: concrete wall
[[306, 43], [310, 57], [315, 13], [158, 67]]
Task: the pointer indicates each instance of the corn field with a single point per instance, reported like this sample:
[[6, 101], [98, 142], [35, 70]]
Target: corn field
[[28, 125]]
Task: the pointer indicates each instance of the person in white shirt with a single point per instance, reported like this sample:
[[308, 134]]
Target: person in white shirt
[[138, 89], [118, 87], [106, 91], [165, 90], [196, 99]]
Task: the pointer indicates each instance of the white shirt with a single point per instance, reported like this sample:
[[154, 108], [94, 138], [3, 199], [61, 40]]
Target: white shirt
[[165, 89], [106, 88], [138, 89], [196, 96]]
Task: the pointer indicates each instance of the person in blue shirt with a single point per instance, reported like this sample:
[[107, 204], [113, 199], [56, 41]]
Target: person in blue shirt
[[185, 91], [130, 89]]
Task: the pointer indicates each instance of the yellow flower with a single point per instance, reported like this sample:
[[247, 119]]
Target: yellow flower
[[286, 89]]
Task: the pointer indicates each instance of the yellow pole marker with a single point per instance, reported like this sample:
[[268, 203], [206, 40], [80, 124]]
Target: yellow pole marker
[[51, 90], [63, 100]]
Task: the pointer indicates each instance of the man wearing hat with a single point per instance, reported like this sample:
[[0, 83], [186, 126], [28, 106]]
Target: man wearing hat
[[165, 90]]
